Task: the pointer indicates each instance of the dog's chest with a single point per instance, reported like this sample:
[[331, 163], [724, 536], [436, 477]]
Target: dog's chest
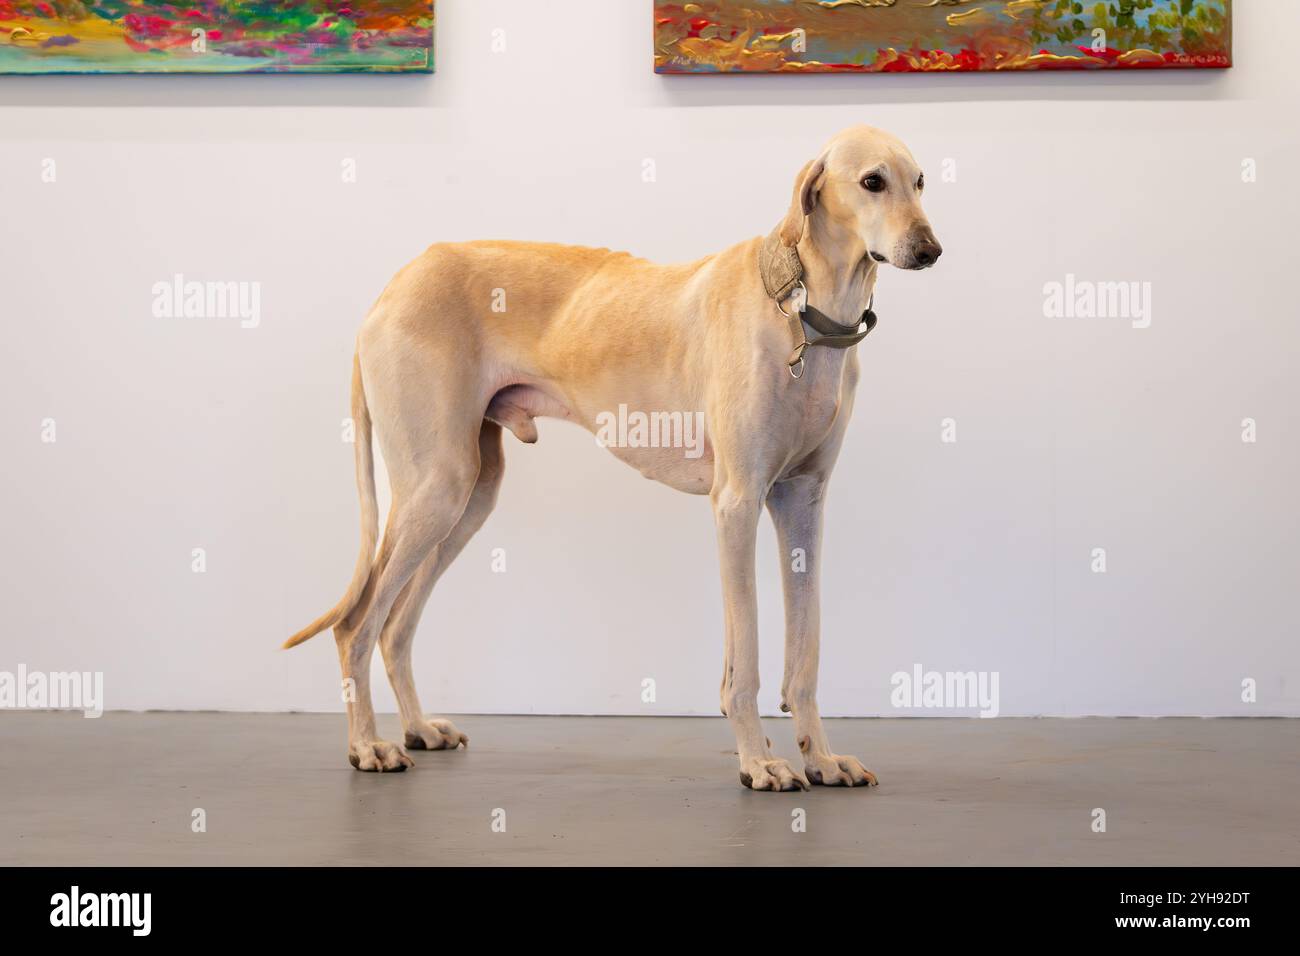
[[813, 404]]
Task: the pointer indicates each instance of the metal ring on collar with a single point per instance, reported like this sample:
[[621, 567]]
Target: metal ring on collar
[[797, 361], [799, 284]]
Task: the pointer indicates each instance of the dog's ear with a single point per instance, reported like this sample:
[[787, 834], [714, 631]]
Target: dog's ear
[[806, 186]]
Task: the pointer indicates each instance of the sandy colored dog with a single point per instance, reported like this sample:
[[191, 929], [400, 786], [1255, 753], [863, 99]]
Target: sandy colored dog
[[440, 376]]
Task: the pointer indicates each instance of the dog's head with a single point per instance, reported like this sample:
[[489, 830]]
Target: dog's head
[[867, 186]]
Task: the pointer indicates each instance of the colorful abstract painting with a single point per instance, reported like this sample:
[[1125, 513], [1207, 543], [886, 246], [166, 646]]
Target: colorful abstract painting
[[216, 36], [914, 36]]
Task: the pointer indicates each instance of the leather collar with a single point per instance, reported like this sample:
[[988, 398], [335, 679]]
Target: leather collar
[[782, 274]]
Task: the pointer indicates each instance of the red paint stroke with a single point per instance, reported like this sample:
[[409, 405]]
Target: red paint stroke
[[150, 26]]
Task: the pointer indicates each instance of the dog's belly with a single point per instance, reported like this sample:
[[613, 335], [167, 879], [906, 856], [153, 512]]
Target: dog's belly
[[671, 466], [668, 447]]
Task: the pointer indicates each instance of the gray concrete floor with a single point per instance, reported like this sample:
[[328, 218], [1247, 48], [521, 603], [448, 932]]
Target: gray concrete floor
[[277, 789]]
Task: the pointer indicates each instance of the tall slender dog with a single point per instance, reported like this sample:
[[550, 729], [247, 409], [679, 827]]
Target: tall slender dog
[[440, 375]]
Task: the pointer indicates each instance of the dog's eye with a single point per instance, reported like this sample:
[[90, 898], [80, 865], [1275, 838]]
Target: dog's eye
[[874, 183], [920, 183]]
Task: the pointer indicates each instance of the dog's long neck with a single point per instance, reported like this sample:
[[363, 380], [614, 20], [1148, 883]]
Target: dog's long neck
[[838, 272]]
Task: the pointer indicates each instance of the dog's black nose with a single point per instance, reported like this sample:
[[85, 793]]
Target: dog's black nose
[[928, 253]]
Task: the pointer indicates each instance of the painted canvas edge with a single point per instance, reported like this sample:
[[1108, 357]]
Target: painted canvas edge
[[429, 67]]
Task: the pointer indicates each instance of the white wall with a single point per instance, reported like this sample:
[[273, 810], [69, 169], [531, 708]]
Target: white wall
[[177, 434]]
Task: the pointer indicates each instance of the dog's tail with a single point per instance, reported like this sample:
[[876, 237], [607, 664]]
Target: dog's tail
[[369, 515]]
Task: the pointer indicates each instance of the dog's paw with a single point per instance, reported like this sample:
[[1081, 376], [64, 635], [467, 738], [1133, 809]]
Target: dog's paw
[[771, 773], [833, 770], [435, 734], [379, 756]]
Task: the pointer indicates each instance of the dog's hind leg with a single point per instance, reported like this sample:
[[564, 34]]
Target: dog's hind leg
[[431, 733], [430, 445], [417, 524]]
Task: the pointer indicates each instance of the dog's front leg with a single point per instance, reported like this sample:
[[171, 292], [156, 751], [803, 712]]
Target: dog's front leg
[[796, 508], [736, 512]]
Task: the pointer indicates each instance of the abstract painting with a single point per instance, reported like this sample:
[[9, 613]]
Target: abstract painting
[[919, 36], [216, 36]]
